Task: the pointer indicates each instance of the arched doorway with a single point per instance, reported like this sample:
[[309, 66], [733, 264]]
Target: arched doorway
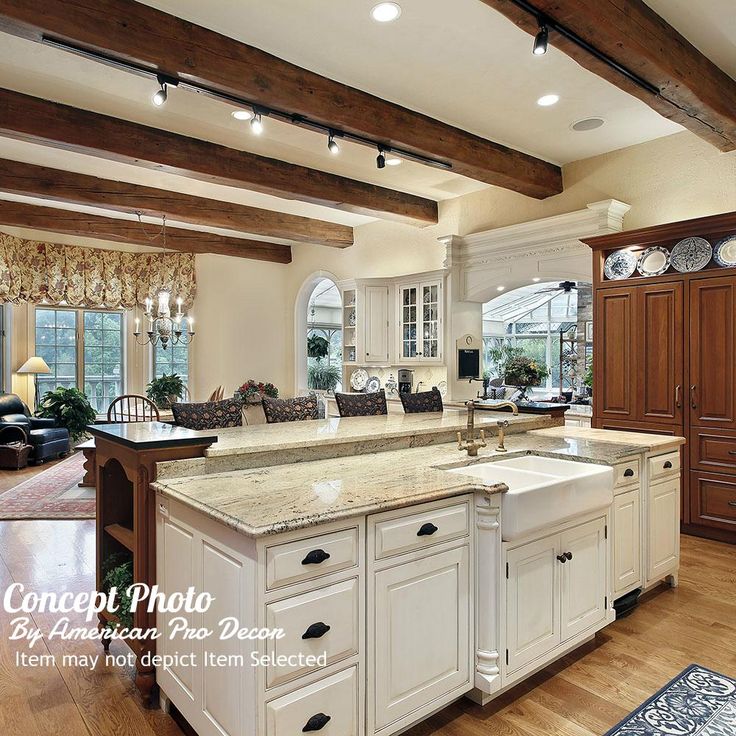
[[318, 326], [550, 322]]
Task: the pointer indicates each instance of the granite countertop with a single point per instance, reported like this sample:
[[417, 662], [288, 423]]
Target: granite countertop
[[146, 435], [644, 442], [337, 430], [280, 498]]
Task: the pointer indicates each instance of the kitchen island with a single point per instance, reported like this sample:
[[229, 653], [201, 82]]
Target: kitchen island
[[405, 574]]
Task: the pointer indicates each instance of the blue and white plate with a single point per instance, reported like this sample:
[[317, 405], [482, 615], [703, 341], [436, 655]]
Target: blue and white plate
[[725, 252], [373, 386], [654, 261], [691, 254], [619, 265]]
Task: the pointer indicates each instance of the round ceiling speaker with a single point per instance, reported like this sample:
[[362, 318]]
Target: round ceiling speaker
[[587, 124]]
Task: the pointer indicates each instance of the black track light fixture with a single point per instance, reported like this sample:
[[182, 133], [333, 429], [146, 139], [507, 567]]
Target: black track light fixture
[[256, 123], [381, 158], [332, 143], [541, 40], [162, 93]]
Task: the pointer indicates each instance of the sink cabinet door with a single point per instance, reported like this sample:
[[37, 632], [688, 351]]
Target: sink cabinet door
[[583, 577], [532, 601], [626, 542], [422, 633]]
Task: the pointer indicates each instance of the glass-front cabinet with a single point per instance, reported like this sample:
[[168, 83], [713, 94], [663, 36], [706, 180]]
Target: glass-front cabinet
[[420, 321]]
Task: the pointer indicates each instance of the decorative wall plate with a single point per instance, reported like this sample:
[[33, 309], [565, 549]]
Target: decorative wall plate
[[653, 261], [619, 265], [442, 388], [691, 254], [358, 379], [373, 386], [725, 252]]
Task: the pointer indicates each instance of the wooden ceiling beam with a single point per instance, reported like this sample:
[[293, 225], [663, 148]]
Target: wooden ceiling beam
[[68, 128], [151, 39], [693, 91], [66, 186], [81, 224]]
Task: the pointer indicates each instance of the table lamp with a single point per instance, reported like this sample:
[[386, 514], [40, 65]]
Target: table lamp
[[35, 366]]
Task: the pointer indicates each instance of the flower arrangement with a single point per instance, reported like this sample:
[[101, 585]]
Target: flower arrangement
[[252, 391], [521, 370]]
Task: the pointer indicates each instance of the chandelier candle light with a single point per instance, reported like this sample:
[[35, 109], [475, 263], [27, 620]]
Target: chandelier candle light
[[162, 328]]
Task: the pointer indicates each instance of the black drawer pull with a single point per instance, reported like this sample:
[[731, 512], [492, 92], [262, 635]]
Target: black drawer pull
[[568, 555], [315, 557], [628, 473], [427, 530], [732, 504], [668, 465], [315, 631], [316, 723], [562, 558]]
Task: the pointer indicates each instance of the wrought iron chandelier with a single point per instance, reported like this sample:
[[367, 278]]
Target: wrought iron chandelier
[[162, 328]]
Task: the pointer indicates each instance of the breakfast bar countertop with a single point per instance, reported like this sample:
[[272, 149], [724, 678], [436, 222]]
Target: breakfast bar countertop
[[269, 500]]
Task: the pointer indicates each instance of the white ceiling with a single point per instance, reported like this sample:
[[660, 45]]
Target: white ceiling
[[457, 61]]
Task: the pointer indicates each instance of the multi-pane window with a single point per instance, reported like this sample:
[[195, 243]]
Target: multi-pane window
[[174, 359], [83, 349]]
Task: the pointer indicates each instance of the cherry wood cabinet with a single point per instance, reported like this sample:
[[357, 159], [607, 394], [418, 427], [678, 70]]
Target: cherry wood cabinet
[[665, 362]]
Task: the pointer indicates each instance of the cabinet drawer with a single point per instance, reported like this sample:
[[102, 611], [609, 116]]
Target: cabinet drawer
[[406, 533], [664, 465], [321, 621], [626, 474], [712, 450], [308, 558], [332, 702], [714, 500]]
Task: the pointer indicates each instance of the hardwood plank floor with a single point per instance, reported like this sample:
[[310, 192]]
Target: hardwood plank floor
[[583, 694]]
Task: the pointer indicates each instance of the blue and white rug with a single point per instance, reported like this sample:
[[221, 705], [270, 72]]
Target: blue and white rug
[[698, 702]]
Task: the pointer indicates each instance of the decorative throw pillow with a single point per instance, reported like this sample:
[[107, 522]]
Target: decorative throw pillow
[[209, 414], [290, 410]]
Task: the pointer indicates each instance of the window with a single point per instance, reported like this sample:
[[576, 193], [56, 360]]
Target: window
[[174, 359], [90, 359]]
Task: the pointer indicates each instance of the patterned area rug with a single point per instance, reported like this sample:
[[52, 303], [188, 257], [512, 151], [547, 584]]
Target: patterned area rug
[[52, 494], [698, 702]]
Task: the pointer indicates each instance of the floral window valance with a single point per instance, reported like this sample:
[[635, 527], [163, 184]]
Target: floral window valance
[[90, 277]]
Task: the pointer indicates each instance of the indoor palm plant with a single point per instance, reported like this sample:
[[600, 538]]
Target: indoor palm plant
[[70, 408], [322, 377], [166, 390]]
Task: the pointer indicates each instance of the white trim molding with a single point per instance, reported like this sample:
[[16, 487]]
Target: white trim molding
[[548, 248]]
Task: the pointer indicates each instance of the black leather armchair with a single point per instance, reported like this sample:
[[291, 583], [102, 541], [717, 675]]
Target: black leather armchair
[[46, 439]]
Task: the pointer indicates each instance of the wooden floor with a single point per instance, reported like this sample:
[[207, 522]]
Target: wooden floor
[[583, 695]]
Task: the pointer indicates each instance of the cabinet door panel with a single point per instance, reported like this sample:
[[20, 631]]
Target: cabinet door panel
[[659, 331], [422, 633], [376, 324], [409, 322], [532, 602], [663, 548], [713, 353], [583, 577], [626, 542], [614, 354]]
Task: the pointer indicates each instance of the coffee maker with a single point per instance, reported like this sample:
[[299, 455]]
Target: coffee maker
[[406, 380]]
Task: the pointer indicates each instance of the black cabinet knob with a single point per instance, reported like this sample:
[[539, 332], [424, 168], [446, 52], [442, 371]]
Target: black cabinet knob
[[667, 465], [628, 473], [562, 558], [568, 555], [316, 723], [427, 530], [315, 631], [315, 557]]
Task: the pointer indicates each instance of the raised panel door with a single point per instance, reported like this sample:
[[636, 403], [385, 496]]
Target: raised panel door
[[613, 356], [659, 369], [583, 577], [626, 514], [663, 520], [422, 633], [713, 353], [713, 500], [532, 602], [375, 326]]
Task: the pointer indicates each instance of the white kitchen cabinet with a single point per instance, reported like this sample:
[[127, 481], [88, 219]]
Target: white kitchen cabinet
[[625, 517], [556, 589], [420, 313], [663, 543], [422, 633], [376, 324]]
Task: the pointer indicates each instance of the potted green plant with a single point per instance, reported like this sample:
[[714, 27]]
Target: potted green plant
[[524, 372], [70, 408], [166, 390], [588, 379], [322, 377], [117, 573], [318, 347], [500, 355]]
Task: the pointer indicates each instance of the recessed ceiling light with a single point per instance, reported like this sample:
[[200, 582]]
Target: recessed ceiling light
[[547, 100], [393, 161], [242, 114], [536, 279], [500, 288], [386, 12], [587, 124]]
